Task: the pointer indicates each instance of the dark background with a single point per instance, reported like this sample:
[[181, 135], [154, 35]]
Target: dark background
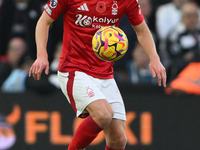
[[175, 118]]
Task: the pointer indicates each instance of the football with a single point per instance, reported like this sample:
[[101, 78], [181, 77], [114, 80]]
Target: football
[[110, 43]]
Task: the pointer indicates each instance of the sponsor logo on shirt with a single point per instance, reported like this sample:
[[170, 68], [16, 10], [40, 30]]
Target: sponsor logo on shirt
[[48, 10], [114, 8], [83, 7], [85, 20], [53, 3]]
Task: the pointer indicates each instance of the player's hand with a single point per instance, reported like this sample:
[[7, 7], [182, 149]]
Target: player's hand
[[157, 69], [38, 66]]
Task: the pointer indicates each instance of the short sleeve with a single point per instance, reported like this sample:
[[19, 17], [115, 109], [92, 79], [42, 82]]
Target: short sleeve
[[134, 12], [55, 7]]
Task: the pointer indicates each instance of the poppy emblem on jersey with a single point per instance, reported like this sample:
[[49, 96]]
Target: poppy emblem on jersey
[[53, 3], [101, 7]]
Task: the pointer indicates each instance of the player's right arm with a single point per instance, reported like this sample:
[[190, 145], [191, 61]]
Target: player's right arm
[[41, 36], [147, 42]]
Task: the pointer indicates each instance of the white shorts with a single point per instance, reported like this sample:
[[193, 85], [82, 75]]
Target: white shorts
[[81, 89]]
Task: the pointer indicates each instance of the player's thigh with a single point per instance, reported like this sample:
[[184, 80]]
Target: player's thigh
[[110, 90], [81, 90]]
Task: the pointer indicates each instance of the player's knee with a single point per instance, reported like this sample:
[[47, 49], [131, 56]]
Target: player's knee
[[105, 117]]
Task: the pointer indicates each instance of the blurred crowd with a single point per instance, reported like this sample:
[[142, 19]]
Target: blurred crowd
[[174, 24]]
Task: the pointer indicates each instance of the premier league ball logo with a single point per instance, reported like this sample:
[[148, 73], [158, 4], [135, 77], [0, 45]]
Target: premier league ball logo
[[53, 3]]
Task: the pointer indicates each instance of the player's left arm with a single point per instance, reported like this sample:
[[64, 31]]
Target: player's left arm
[[146, 40]]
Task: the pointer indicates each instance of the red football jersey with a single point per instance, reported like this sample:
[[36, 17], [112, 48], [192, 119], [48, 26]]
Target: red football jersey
[[82, 18]]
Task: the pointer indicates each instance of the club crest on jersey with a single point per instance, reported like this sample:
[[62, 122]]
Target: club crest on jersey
[[53, 3], [114, 8], [101, 7], [89, 91]]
